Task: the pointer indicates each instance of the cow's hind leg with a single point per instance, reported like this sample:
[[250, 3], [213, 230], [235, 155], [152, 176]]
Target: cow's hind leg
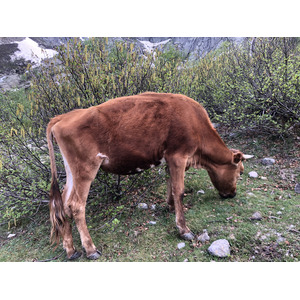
[[82, 176], [67, 234], [77, 206], [177, 164]]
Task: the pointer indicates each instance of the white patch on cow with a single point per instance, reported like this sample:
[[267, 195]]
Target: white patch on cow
[[103, 156], [139, 170], [69, 184]]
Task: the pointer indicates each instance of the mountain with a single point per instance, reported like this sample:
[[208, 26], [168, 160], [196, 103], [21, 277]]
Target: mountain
[[17, 52]]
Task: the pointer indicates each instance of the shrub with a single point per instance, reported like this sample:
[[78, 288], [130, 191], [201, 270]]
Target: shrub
[[249, 86], [81, 75], [252, 86]]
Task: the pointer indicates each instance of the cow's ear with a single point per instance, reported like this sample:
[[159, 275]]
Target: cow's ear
[[237, 157]]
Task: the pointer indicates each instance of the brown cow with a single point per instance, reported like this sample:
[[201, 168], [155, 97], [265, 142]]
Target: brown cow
[[125, 136]]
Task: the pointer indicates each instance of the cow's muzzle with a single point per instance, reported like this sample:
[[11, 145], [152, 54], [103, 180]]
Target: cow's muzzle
[[225, 196]]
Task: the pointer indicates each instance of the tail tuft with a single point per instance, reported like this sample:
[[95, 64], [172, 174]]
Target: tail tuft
[[57, 213]]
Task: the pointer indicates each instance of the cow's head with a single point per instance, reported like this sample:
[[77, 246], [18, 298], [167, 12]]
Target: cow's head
[[224, 177]]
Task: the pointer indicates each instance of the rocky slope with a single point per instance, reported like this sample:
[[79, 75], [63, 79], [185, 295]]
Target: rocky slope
[[17, 52]]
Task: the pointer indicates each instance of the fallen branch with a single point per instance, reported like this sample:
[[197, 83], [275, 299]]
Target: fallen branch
[[294, 231], [53, 258]]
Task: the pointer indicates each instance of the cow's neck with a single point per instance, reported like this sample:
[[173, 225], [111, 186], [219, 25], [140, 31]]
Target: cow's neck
[[213, 149]]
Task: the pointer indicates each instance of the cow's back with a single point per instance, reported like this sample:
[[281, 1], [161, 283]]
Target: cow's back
[[134, 132]]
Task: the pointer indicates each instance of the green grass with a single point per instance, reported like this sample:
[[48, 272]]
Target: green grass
[[133, 239]]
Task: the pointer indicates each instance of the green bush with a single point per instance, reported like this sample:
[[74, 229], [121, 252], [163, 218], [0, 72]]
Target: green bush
[[253, 86], [81, 75]]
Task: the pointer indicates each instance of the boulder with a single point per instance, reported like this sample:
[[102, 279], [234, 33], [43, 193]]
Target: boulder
[[219, 248]]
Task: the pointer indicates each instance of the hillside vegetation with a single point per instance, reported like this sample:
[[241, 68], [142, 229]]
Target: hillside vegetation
[[250, 89]]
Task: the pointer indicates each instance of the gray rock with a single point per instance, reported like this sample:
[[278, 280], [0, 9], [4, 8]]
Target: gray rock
[[153, 207], [219, 248], [142, 206], [200, 192], [280, 240], [232, 236], [11, 235], [268, 161], [181, 245], [256, 216], [215, 125], [203, 237], [297, 188], [152, 222], [251, 194], [252, 174]]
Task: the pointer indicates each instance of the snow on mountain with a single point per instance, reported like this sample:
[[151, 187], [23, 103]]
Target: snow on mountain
[[28, 49], [149, 46]]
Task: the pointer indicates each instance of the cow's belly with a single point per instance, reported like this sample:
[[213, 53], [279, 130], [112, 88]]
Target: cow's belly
[[131, 165]]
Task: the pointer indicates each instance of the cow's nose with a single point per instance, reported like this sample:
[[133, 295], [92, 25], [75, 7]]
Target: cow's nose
[[225, 196]]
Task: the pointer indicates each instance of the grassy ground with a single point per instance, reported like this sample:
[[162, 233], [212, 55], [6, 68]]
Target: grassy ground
[[134, 239]]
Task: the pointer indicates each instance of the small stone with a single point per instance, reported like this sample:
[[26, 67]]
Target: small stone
[[268, 161], [203, 237], [253, 174], [143, 206], [219, 248], [215, 125], [152, 222], [279, 213], [251, 194], [11, 235], [256, 216], [200, 192], [186, 260], [263, 178], [297, 188], [231, 236], [153, 207], [291, 227], [280, 240], [136, 233], [180, 245]]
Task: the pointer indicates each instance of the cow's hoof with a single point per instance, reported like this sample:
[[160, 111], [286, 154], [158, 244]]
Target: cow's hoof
[[95, 255], [188, 236], [75, 255]]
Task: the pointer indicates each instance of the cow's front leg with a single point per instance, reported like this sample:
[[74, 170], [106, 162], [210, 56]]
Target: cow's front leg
[[170, 199], [177, 166]]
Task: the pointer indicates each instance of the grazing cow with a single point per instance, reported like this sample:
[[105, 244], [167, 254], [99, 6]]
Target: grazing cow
[[128, 135]]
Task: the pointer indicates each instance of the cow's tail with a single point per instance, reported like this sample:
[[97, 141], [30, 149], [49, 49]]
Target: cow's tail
[[57, 213]]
